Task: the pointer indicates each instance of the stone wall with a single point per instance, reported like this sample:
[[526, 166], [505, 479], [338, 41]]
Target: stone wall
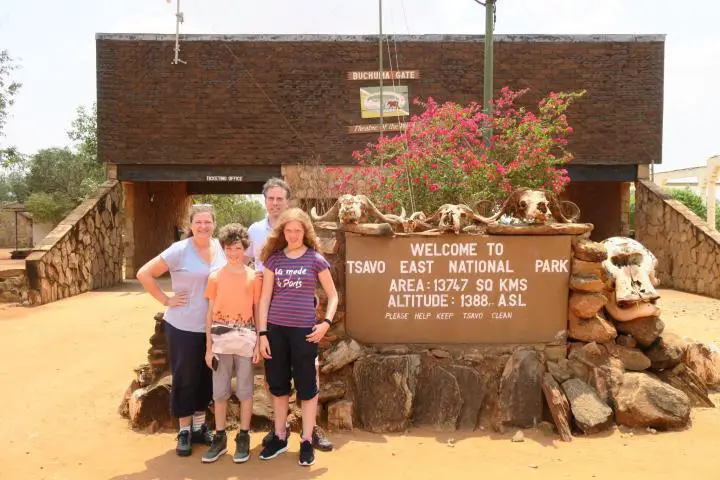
[[7, 230], [687, 249], [84, 251], [13, 286]]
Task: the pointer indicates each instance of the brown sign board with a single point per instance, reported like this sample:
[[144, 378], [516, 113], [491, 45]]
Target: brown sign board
[[387, 75], [457, 289], [376, 127]]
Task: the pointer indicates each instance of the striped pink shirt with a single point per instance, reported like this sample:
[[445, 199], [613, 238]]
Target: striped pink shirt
[[292, 303]]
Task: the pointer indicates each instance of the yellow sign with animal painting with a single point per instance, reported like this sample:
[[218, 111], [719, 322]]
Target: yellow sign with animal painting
[[395, 101]]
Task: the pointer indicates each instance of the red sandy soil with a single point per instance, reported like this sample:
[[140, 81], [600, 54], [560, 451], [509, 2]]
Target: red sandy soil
[[64, 367]]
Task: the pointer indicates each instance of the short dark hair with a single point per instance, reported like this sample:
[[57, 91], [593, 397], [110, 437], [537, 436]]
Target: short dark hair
[[233, 233], [276, 182]]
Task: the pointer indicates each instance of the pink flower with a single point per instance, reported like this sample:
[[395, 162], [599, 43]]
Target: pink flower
[[433, 187]]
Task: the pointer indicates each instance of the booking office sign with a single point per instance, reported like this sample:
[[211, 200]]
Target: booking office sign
[[457, 289]]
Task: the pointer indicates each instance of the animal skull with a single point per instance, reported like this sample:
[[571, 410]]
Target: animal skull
[[455, 217], [631, 267], [356, 209], [537, 206]]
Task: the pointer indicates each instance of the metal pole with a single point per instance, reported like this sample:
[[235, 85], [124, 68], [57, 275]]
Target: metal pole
[[488, 73], [380, 46], [16, 230]]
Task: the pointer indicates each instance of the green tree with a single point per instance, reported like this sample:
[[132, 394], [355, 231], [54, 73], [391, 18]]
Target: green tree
[[233, 208], [8, 90], [694, 202], [83, 132]]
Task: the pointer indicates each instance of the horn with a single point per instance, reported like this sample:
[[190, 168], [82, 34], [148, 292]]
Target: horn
[[377, 213], [507, 208], [327, 216], [556, 208]]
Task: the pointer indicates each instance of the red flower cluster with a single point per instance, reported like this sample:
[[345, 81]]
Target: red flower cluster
[[443, 156]]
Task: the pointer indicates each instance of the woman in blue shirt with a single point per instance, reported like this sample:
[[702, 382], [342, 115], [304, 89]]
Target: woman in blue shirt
[[190, 262]]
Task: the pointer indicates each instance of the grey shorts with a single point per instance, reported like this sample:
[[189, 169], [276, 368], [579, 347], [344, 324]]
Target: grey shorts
[[228, 366]]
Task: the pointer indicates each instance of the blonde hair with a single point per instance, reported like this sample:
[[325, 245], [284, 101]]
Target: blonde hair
[[276, 240]]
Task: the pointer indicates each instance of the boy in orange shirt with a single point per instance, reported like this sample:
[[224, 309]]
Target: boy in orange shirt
[[233, 293]]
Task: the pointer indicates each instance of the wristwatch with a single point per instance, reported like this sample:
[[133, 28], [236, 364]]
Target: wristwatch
[[328, 321], [263, 333]]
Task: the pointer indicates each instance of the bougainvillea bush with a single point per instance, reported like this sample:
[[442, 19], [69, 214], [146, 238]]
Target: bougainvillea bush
[[443, 155]]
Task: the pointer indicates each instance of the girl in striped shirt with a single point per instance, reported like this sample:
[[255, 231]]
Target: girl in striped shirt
[[289, 332]]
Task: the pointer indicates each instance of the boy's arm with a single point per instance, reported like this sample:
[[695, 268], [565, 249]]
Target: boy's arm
[[208, 325]]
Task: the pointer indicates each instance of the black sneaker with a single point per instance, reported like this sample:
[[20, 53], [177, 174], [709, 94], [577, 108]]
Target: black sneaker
[[307, 455], [320, 441], [202, 436], [273, 448], [218, 448], [268, 437], [242, 447], [183, 449]]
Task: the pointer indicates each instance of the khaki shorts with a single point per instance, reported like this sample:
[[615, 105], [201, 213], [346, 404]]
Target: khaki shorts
[[232, 366]]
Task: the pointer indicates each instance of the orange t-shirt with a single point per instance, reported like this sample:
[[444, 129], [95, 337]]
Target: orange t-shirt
[[233, 294]]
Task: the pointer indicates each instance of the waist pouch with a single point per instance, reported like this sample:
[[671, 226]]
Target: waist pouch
[[235, 340]]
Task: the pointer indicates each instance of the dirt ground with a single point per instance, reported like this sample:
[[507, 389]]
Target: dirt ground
[[6, 263], [64, 367]]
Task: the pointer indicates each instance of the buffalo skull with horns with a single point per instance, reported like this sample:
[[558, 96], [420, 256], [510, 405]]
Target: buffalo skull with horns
[[356, 209], [536, 206], [454, 217]]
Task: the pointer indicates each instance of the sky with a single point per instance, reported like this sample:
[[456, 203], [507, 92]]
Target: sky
[[54, 43]]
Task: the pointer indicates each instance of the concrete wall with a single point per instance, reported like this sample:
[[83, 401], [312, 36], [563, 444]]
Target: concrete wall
[[688, 251], [153, 213]]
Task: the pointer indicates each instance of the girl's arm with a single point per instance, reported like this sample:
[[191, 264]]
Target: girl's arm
[[328, 285], [264, 307]]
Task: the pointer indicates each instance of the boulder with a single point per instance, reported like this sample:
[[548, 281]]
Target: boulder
[[626, 341], [520, 401], [587, 250], [684, 379], [590, 413], [705, 362], [437, 400], [645, 330], [646, 402], [472, 392], [586, 269], [385, 389], [586, 305], [586, 283], [558, 406], [593, 329], [330, 391], [560, 370], [632, 358], [666, 352], [151, 403], [342, 354], [340, 415]]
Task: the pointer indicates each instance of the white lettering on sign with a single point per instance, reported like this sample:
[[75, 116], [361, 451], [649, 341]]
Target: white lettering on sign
[[419, 266], [551, 266], [406, 285], [480, 266], [396, 316], [417, 301], [223, 178], [365, 266], [513, 284], [444, 250], [387, 75]]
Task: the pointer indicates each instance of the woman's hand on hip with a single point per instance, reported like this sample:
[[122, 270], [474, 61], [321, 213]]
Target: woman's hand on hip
[[177, 300], [265, 348], [318, 332]]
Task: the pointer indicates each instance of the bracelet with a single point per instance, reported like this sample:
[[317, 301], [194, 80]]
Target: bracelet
[[328, 321], [263, 333]]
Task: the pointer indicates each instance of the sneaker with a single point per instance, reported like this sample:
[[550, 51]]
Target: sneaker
[[307, 455], [218, 448], [269, 436], [183, 449], [242, 447], [202, 436], [274, 448], [320, 441]]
